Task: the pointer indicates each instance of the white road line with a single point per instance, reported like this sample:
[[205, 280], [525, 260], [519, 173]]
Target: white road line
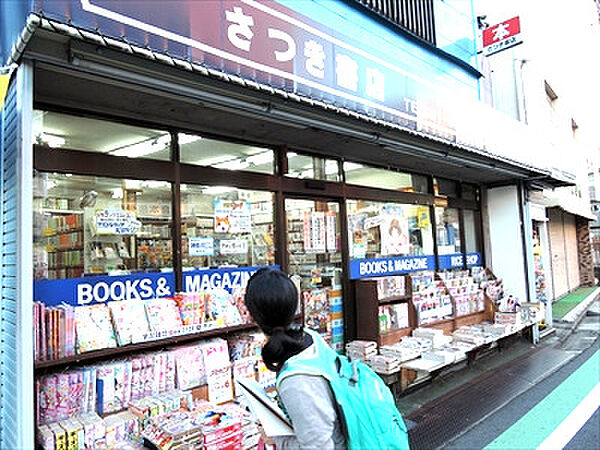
[[563, 434]]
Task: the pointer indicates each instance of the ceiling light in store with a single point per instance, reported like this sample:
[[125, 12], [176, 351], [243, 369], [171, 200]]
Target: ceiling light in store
[[51, 140], [348, 166], [331, 168], [216, 190], [233, 164], [155, 184], [212, 161], [143, 148], [133, 185], [260, 158], [187, 138]]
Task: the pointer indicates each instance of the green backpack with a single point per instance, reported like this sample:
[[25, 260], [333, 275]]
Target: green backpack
[[370, 419]]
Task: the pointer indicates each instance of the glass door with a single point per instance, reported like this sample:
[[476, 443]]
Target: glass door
[[315, 264]]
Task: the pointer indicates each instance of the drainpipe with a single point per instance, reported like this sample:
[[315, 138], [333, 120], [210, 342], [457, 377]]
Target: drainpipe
[[524, 238]]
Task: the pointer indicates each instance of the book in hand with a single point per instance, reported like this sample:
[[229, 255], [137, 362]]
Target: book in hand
[[271, 417]]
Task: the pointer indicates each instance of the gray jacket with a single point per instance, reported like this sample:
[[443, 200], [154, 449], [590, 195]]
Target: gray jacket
[[309, 403]]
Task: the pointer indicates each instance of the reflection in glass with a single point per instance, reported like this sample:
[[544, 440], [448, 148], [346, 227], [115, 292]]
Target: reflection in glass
[[384, 179], [378, 229], [315, 264], [225, 226], [447, 231], [92, 225], [201, 151], [56, 130], [303, 166]]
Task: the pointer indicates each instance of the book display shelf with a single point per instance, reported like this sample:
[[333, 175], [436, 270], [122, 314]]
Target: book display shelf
[[391, 307]]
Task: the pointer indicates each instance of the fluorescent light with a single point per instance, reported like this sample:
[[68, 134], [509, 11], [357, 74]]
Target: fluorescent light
[[155, 184], [260, 158], [233, 164], [143, 148], [52, 140], [331, 167], [187, 138], [216, 190], [348, 166]]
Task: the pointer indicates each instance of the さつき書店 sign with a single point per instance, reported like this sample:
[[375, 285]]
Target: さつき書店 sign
[[270, 43]]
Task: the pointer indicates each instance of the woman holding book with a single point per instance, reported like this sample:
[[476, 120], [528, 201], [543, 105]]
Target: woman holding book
[[272, 300]]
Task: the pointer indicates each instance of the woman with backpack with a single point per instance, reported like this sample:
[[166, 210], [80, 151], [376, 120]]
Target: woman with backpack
[[332, 402], [272, 300]]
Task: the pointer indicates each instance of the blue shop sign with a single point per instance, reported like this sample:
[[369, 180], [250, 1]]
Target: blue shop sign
[[104, 288], [138, 286], [229, 278], [456, 260], [271, 43], [377, 267]]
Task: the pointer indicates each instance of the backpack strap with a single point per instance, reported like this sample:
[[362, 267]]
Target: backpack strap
[[318, 359]]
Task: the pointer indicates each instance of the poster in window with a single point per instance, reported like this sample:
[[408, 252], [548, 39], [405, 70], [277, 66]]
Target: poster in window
[[331, 219], [318, 232], [394, 235], [232, 216]]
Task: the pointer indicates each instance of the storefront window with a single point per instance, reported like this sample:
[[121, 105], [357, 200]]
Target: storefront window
[[57, 130], [386, 229], [445, 187], [384, 179], [471, 235], [91, 225], [315, 264], [225, 226], [201, 151], [303, 166], [447, 231], [470, 192]]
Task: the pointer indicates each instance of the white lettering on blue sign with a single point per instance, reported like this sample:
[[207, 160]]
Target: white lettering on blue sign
[[121, 290], [216, 280], [456, 261], [368, 268]]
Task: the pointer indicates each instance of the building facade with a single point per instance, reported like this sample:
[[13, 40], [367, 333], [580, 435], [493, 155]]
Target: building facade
[[529, 81], [148, 152]]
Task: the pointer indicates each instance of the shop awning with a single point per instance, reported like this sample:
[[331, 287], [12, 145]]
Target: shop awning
[[79, 67]]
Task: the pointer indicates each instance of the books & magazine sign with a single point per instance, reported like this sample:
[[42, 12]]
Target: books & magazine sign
[[138, 286]]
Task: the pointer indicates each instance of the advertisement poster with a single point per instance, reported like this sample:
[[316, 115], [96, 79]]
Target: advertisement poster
[[318, 232], [394, 235], [330, 220], [357, 235], [232, 216], [116, 221], [233, 246], [306, 231], [201, 246]]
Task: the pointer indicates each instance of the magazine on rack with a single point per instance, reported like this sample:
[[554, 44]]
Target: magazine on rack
[[270, 416]]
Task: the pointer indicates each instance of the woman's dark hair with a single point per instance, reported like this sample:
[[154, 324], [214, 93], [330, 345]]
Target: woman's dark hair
[[272, 300]]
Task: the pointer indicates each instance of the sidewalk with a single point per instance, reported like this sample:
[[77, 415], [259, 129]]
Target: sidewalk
[[571, 306], [460, 398]]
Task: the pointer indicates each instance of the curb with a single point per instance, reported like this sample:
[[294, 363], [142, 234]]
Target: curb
[[576, 315]]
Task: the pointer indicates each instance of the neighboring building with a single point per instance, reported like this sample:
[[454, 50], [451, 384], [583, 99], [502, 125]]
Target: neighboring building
[[544, 81], [149, 150]]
